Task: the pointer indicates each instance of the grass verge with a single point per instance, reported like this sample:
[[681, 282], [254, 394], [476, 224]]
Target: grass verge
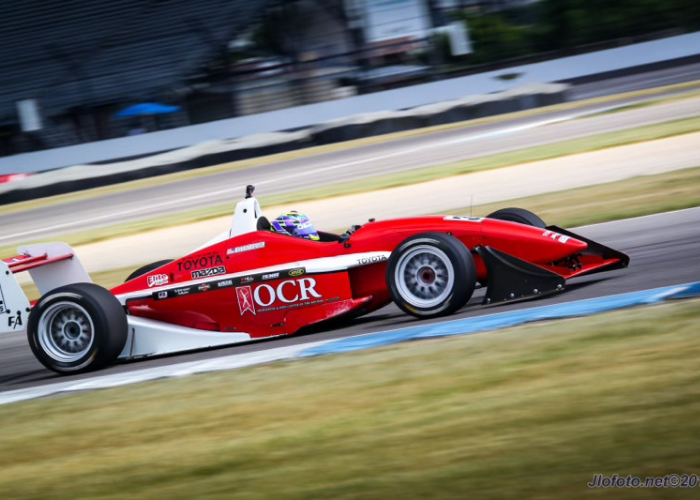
[[538, 153], [635, 197], [529, 412], [582, 145], [318, 150]]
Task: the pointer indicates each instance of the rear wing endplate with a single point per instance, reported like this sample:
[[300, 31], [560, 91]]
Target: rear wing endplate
[[51, 265], [14, 306]]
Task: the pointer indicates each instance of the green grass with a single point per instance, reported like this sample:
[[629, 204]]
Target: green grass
[[521, 156], [565, 148], [529, 412], [313, 151], [634, 197]]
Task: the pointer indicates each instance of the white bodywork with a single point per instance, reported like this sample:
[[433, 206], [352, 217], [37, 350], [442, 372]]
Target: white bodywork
[[245, 220], [50, 276], [148, 337], [14, 306]]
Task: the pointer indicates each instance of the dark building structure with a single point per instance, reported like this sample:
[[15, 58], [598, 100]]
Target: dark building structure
[[81, 61]]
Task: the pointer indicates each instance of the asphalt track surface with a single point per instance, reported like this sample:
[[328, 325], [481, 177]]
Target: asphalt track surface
[[664, 248], [359, 163]]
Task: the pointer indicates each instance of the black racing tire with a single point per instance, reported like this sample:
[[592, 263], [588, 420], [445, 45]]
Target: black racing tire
[[147, 269], [431, 275], [519, 215], [77, 328]]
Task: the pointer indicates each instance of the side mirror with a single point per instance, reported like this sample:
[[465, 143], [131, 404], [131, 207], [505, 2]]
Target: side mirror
[[249, 190]]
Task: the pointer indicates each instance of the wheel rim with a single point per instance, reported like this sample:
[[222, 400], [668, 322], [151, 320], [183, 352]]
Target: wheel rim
[[66, 332], [424, 276]]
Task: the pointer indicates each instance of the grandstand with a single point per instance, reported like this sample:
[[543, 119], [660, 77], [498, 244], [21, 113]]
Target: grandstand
[[82, 61]]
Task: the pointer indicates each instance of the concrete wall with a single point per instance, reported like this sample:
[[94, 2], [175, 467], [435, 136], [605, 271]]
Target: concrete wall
[[305, 116]]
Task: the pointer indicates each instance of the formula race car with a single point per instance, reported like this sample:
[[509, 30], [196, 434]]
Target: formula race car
[[251, 283]]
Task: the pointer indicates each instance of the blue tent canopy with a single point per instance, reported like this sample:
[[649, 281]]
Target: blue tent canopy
[[147, 108]]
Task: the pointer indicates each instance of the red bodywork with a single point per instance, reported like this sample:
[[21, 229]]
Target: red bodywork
[[267, 284]]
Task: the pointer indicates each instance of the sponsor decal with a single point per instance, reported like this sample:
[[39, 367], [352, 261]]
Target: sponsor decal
[[463, 218], [2, 303], [224, 284], [199, 262], [162, 295], [371, 260], [204, 287], [271, 276], [247, 279], [556, 236], [157, 280], [245, 299], [15, 322], [297, 272], [246, 248], [179, 292], [291, 293], [211, 271]]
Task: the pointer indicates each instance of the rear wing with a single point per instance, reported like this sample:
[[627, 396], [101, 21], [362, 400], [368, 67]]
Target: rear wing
[[51, 265]]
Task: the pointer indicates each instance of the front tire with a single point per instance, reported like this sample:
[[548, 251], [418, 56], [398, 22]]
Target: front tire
[[519, 215], [431, 275], [77, 328]]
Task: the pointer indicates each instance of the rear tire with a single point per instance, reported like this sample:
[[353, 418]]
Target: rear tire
[[147, 269], [431, 275], [77, 328], [519, 215]]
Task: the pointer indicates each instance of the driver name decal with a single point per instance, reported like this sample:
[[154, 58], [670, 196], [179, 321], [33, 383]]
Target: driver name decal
[[246, 248], [463, 218]]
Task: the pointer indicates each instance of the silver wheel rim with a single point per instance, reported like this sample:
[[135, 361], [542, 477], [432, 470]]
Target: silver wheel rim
[[424, 276], [66, 332]]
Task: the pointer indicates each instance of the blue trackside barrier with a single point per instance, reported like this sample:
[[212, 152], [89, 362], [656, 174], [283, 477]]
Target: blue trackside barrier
[[479, 324]]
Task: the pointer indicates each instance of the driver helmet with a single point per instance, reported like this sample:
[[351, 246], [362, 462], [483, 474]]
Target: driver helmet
[[295, 224]]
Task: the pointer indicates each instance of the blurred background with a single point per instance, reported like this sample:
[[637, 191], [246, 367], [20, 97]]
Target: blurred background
[[75, 72], [129, 128]]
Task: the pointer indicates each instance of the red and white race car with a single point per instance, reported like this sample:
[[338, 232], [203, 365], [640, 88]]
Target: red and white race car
[[251, 283]]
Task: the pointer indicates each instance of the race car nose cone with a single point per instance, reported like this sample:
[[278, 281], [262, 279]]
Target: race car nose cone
[[575, 244], [571, 242], [578, 245]]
